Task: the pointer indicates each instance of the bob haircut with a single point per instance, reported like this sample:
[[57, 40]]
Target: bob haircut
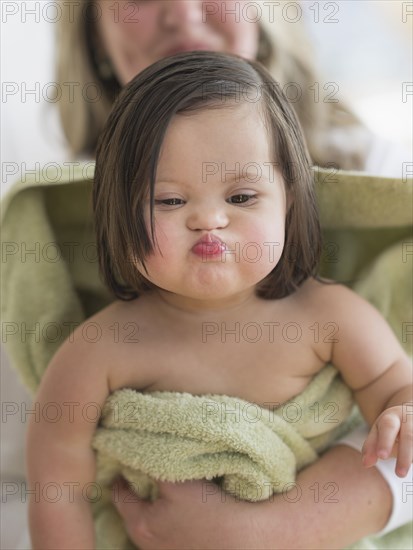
[[128, 153]]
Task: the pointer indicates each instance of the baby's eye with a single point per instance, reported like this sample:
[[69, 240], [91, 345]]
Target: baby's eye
[[170, 202], [242, 198]]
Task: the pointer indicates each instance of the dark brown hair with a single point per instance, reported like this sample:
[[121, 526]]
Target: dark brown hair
[[129, 148]]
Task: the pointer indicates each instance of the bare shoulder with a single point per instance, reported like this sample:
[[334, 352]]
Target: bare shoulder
[[94, 344], [364, 343], [77, 377], [360, 324], [331, 298]]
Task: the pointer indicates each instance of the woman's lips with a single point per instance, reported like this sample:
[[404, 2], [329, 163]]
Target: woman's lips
[[209, 246]]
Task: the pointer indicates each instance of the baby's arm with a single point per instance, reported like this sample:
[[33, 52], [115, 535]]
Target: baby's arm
[[374, 365], [59, 449]]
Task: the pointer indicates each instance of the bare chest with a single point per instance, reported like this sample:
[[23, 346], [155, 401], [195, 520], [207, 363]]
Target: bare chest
[[262, 363]]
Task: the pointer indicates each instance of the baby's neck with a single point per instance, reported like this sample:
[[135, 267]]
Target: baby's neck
[[240, 304]]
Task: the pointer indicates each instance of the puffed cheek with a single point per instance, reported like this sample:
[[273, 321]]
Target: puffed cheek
[[266, 245]]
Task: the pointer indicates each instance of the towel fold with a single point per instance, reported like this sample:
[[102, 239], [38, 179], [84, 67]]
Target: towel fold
[[250, 451]]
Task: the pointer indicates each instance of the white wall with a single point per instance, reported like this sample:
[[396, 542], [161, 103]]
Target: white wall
[[30, 132], [369, 53]]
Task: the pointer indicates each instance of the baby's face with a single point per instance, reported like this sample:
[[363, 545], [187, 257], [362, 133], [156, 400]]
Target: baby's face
[[136, 34], [220, 205]]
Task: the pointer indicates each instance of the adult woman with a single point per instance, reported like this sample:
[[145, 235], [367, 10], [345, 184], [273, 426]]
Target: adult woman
[[109, 46]]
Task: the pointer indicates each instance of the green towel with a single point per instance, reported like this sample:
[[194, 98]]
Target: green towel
[[251, 452], [50, 284]]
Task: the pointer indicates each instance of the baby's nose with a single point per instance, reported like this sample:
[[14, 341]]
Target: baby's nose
[[208, 217]]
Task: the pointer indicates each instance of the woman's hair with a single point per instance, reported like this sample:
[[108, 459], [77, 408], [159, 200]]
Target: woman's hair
[[89, 87], [129, 148]]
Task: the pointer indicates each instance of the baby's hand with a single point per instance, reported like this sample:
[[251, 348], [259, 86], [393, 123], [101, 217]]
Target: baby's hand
[[391, 436]]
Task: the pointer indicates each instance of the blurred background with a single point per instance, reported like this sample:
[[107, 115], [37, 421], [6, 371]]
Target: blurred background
[[369, 52], [363, 47]]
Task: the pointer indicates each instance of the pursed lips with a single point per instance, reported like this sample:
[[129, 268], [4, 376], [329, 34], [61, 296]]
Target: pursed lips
[[209, 245]]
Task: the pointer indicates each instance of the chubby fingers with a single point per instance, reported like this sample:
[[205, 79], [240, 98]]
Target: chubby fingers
[[381, 438], [369, 455], [405, 450], [388, 428]]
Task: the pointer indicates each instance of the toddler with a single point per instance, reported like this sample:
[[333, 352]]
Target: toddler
[[205, 215]]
